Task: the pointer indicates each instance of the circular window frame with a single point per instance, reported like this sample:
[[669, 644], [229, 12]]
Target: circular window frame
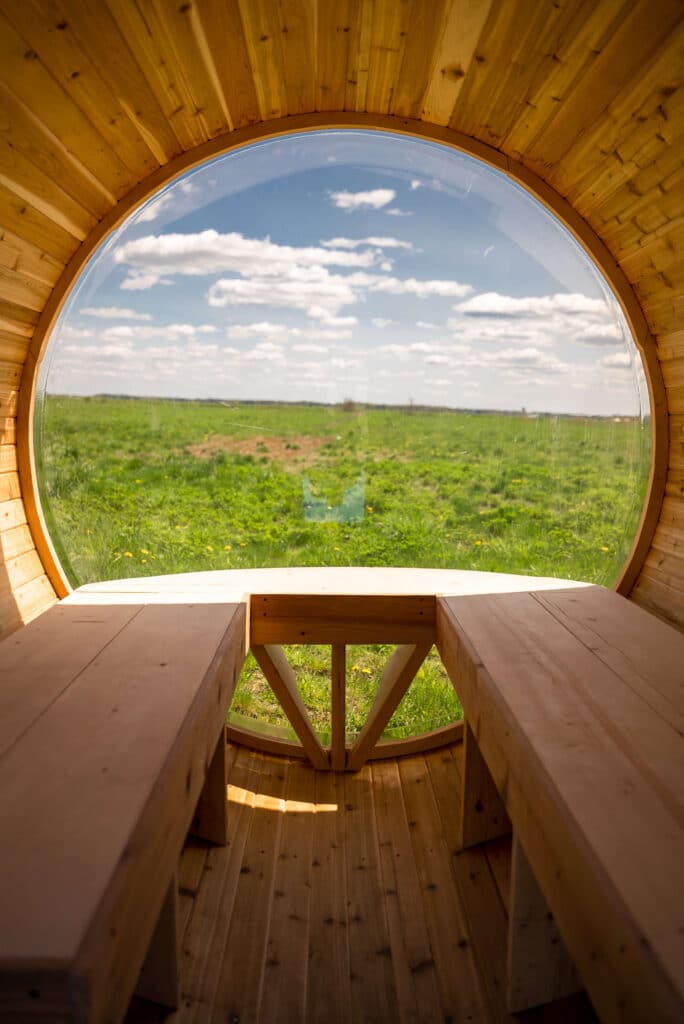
[[535, 186]]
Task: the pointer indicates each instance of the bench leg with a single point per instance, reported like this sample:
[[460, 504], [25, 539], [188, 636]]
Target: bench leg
[[539, 966], [210, 820], [483, 815], [158, 979]]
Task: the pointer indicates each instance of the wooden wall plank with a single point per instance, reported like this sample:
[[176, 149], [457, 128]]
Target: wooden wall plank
[[151, 49], [573, 54], [633, 45], [634, 131], [423, 29], [27, 134], [23, 71], [50, 29], [132, 94], [18, 255], [29, 224]]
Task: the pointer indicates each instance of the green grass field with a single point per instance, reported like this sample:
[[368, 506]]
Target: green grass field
[[135, 488]]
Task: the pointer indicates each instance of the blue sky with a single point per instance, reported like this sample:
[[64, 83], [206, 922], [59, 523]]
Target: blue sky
[[340, 265]]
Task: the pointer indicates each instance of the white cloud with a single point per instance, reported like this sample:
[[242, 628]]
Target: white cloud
[[426, 325], [619, 360], [146, 332], [381, 322], [396, 212], [410, 286], [113, 313], [415, 183], [373, 200], [152, 209], [437, 360], [139, 282], [379, 242], [153, 257], [495, 304], [309, 348]]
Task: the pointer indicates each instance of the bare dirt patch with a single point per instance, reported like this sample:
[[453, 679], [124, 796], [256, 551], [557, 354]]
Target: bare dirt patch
[[300, 450]]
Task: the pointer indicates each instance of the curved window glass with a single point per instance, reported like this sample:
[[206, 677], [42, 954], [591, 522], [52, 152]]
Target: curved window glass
[[342, 348]]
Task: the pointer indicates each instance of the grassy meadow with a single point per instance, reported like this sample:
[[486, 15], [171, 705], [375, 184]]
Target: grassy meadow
[[145, 487]]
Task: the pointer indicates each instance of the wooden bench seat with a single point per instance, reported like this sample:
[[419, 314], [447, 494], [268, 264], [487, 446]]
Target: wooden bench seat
[[574, 703], [111, 740]]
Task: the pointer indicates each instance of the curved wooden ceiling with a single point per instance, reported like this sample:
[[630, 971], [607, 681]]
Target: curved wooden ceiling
[[96, 98]]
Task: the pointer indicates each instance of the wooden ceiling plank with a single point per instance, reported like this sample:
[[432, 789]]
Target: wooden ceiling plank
[[504, 60], [22, 69], [572, 57], [423, 31], [25, 133], [152, 51], [628, 140], [224, 33], [640, 36], [359, 57], [529, 65], [23, 220], [123, 77], [50, 29], [297, 36], [262, 37], [192, 55], [464, 21], [334, 23], [388, 32]]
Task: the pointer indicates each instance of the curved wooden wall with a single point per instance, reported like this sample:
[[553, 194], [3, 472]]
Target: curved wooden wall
[[98, 101]]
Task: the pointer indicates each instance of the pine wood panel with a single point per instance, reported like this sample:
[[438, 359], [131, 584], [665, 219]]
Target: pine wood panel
[[312, 841]]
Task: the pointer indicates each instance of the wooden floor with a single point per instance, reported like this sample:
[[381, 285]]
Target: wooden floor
[[342, 899]]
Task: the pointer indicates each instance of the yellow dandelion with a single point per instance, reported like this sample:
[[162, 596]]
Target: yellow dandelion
[[138, 481], [143, 560], [243, 544], [478, 542], [128, 554], [226, 547], [517, 480], [336, 549], [144, 551], [369, 507], [605, 549], [366, 672], [209, 547]]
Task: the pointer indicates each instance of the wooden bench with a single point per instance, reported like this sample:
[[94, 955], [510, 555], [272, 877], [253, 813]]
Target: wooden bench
[[574, 704], [111, 749]]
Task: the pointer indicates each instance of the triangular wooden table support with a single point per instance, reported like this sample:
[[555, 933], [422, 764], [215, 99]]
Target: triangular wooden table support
[[281, 678], [397, 676]]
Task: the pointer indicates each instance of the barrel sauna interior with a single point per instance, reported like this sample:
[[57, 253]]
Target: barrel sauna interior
[[101, 105]]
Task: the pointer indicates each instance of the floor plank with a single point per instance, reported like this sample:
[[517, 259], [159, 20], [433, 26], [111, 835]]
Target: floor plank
[[344, 898]]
